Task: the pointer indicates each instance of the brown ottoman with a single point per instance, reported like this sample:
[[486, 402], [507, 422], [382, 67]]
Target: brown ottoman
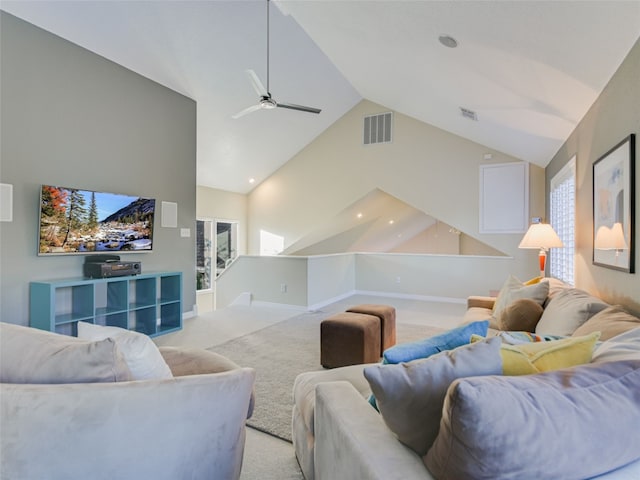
[[387, 316], [349, 339]]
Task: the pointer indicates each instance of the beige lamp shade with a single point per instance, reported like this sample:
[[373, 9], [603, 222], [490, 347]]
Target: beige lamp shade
[[610, 238], [544, 237], [540, 235]]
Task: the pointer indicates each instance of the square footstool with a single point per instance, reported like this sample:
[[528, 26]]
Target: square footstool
[[349, 339], [387, 316]]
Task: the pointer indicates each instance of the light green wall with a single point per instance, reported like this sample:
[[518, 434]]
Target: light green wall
[[432, 170], [72, 118], [614, 115]]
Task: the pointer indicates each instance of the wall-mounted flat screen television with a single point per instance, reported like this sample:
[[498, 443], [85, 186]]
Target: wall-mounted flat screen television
[[74, 221]]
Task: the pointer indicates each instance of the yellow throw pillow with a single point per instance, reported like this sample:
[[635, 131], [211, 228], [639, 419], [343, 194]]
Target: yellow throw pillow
[[536, 357], [533, 281]]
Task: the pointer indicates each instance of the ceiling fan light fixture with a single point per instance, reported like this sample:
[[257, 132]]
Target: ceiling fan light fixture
[[268, 103]]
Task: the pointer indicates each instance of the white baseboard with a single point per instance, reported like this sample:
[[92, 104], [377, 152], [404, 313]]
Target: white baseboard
[[191, 314], [286, 306], [409, 296]]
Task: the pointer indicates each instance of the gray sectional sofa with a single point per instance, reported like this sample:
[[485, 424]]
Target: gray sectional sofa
[[571, 422]]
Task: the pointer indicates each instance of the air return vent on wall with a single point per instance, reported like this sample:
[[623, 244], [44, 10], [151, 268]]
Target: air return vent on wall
[[377, 128]]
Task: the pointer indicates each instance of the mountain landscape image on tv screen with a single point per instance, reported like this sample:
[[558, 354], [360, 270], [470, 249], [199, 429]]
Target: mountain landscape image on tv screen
[[83, 221]]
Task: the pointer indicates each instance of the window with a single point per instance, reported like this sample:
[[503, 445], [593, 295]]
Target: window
[[270, 243], [203, 254], [226, 244], [562, 211]]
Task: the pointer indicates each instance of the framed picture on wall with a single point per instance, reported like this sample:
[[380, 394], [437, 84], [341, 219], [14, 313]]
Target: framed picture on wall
[[613, 207]]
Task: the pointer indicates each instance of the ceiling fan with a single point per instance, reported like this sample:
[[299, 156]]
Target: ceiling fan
[[265, 101]]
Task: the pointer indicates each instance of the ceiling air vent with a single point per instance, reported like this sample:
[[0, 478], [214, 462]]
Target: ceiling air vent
[[470, 114], [377, 128]]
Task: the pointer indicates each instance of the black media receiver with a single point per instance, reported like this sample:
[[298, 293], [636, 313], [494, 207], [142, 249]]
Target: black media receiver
[[101, 266]]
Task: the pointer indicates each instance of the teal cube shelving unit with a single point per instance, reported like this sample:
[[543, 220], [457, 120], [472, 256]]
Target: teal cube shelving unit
[[150, 303]]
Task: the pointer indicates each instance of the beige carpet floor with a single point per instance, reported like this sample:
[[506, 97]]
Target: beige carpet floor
[[267, 457], [279, 353]]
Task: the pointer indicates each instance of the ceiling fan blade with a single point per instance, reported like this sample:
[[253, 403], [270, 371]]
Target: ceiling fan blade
[[247, 110], [266, 102], [257, 84], [302, 108]]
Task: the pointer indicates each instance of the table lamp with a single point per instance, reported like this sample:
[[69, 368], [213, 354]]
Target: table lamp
[[542, 236]]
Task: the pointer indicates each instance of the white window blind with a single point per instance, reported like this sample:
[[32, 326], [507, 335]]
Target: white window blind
[[562, 207]]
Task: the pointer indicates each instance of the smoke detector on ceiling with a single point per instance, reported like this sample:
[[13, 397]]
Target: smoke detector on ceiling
[[470, 114], [448, 41]]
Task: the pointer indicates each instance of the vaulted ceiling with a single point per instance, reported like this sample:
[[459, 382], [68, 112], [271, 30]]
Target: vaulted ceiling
[[530, 70]]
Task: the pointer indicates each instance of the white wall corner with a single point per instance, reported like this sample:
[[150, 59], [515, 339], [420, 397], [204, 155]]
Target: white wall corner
[[329, 301], [191, 314]]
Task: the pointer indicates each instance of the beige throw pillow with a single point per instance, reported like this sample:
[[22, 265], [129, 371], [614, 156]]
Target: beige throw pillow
[[513, 289], [567, 310], [520, 316], [29, 355], [142, 355], [555, 286], [610, 322]]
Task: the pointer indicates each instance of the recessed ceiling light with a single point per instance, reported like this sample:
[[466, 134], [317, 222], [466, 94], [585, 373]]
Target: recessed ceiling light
[[252, 180], [359, 215], [448, 41], [391, 222]]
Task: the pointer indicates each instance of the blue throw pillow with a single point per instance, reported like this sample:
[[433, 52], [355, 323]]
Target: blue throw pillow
[[405, 352]]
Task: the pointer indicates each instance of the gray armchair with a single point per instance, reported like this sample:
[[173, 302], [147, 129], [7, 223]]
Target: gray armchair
[[189, 427]]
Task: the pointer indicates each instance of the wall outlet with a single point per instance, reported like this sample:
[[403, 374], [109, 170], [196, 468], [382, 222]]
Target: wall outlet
[[283, 288], [397, 279]]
